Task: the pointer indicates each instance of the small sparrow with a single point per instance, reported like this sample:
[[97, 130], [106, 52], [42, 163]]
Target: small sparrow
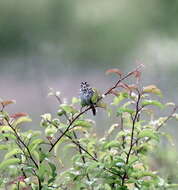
[[86, 94]]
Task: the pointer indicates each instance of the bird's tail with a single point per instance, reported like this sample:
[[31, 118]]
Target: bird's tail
[[93, 109]]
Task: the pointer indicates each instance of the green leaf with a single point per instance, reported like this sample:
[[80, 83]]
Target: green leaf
[[5, 128], [42, 170], [75, 100], [92, 166], [68, 108], [53, 172], [172, 186], [83, 123], [122, 110], [111, 144], [60, 112], [152, 89], [112, 128], [21, 120], [13, 152], [96, 96], [101, 104], [152, 102], [8, 135], [50, 131], [123, 188], [36, 154], [3, 147], [46, 117], [148, 133], [35, 143], [140, 174], [13, 161], [133, 159], [119, 98]]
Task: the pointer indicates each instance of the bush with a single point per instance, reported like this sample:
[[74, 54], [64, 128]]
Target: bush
[[72, 156]]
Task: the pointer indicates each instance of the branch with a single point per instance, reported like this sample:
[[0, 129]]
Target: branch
[[82, 112], [73, 141], [132, 135], [67, 129], [168, 118], [21, 141], [123, 78]]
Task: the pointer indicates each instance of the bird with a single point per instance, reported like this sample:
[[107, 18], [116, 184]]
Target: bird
[[87, 96]]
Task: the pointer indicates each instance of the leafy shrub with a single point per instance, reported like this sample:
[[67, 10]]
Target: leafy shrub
[[117, 161]]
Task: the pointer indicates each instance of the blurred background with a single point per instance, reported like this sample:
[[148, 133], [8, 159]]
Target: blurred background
[[57, 44]]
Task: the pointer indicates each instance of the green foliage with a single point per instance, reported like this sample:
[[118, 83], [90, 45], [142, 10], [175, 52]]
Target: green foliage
[[71, 156]]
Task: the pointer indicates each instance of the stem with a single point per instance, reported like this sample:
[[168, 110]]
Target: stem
[[132, 136], [133, 127], [122, 128], [80, 151], [81, 113]]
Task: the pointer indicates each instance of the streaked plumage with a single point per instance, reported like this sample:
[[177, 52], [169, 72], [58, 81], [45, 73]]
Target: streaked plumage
[[86, 93]]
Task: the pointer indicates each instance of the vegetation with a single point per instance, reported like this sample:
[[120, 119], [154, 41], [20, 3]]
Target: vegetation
[[67, 154]]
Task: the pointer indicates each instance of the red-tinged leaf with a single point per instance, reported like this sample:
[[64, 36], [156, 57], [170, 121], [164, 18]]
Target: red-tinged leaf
[[17, 115], [137, 74], [26, 188], [117, 71], [21, 178], [124, 85], [7, 102], [1, 121], [132, 87], [11, 182], [49, 138]]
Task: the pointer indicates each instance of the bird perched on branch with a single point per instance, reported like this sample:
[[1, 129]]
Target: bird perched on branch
[[89, 96]]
